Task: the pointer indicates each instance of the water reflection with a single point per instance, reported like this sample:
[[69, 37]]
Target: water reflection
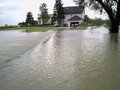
[[114, 39]]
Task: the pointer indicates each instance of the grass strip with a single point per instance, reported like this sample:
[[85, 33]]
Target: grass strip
[[28, 29]]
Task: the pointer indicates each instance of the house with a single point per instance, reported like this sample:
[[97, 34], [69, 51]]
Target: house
[[73, 16]]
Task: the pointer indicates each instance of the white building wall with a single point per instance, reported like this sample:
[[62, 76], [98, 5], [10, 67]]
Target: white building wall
[[68, 16]]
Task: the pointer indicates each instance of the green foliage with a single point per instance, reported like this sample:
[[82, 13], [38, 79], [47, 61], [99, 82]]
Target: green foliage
[[95, 22], [55, 16], [22, 24], [29, 19], [44, 13], [35, 23], [86, 19], [65, 25], [58, 12], [6, 27]]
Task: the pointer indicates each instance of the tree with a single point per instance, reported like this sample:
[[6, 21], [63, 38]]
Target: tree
[[86, 19], [44, 13], [58, 12], [29, 19], [55, 15], [111, 7]]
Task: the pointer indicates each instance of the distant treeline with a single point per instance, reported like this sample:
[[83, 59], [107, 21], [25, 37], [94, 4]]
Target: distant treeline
[[95, 22], [2, 27]]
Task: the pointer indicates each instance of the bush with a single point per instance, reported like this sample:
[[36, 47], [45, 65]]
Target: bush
[[65, 25]]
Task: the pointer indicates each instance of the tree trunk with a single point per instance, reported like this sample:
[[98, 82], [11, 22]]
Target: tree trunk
[[114, 26]]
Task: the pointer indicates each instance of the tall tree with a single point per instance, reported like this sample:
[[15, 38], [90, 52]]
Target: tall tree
[[111, 7], [44, 13], [86, 19], [58, 11], [29, 19], [55, 16]]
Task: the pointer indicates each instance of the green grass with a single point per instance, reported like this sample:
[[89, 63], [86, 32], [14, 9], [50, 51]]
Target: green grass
[[28, 29]]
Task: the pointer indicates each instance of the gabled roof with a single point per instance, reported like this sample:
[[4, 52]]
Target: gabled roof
[[73, 10], [74, 18]]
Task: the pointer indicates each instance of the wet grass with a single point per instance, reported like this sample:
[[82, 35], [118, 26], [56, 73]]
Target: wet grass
[[28, 29]]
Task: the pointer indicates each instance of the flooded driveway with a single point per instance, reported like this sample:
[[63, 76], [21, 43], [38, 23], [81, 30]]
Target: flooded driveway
[[61, 60]]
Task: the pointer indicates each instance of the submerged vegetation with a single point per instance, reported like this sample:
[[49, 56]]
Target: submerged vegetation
[[28, 29]]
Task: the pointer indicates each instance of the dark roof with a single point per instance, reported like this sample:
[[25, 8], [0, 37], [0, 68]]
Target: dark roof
[[74, 18], [73, 10]]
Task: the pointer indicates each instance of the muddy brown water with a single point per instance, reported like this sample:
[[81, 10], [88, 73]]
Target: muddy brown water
[[60, 60]]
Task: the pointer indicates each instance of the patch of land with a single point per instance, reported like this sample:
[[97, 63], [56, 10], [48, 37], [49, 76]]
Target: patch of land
[[28, 29]]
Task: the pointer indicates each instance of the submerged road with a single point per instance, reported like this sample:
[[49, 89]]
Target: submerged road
[[67, 60]]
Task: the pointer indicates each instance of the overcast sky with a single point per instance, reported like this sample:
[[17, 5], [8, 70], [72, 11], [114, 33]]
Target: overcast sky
[[14, 11]]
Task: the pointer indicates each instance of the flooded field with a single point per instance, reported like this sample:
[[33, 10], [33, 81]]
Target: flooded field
[[60, 60]]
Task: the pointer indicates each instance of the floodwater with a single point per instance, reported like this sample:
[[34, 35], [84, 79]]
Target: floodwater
[[60, 60]]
